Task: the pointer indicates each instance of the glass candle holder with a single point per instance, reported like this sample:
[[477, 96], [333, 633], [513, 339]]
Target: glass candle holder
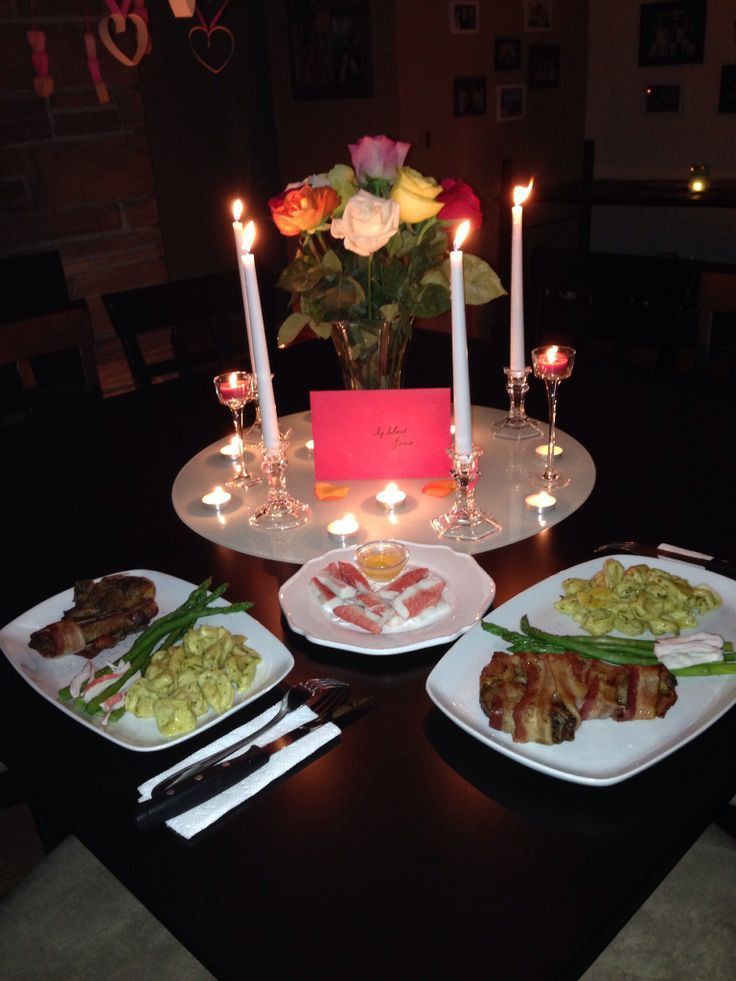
[[553, 364], [699, 178], [465, 521], [281, 510], [516, 424], [235, 389]]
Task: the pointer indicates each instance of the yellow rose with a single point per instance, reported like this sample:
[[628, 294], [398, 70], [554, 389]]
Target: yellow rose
[[416, 195]]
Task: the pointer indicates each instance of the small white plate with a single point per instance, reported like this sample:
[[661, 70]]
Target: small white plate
[[469, 591], [47, 676], [603, 752]]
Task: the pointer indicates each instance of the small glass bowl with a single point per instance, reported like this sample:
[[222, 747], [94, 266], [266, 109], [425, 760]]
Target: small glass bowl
[[381, 561]]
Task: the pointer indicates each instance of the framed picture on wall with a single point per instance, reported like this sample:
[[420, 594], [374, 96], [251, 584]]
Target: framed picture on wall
[[537, 15], [672, 33], [509, 102], [544, 66], [507, 54], [469, 96], [727, 98], [662, 98], [463, 18], [330, 49]]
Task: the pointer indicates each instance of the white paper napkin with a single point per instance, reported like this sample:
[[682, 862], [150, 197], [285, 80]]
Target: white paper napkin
[[203, 815]]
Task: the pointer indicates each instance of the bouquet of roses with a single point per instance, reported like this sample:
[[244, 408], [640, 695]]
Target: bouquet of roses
[[373, 243]]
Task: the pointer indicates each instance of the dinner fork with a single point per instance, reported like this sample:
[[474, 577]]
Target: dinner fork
[[313, 692]]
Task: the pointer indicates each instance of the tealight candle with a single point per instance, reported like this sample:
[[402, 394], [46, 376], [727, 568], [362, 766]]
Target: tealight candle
[[699, 178], [552, 363], [216, 498], [391, 497], [544, 449], [540, 502], [343, 529], [231, 449]]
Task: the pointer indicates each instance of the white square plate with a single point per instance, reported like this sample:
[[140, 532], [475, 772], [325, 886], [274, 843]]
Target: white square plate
[[47, 676], [603, 751]]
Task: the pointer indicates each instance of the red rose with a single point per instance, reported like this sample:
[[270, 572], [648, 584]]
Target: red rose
[[303, 209], [459, 202]]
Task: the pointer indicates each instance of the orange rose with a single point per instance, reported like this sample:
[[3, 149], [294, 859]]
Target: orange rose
[[303, 209]]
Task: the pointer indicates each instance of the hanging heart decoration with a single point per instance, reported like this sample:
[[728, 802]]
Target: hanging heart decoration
[[183, 8], [118, 18], [212, 44], [93, 66], [43, 83]]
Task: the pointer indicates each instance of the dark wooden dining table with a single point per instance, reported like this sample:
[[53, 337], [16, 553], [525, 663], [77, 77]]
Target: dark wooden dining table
[[408, 848]]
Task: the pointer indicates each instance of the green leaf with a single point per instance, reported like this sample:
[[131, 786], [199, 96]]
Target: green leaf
[[291, 327], [433, 300], [323, 329], [390, 311], [331, 262], [300, 275], [481, 282]]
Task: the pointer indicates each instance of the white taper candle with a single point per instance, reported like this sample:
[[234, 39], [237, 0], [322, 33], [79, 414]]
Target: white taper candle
[[238, 236], [460, 376], [517, 357], [261, 365]]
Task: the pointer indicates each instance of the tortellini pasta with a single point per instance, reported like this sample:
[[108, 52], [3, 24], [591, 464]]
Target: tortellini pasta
[[635, 600], [184, 682]]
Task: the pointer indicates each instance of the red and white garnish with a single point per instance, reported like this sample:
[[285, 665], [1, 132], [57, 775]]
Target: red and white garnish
[[416, 598]]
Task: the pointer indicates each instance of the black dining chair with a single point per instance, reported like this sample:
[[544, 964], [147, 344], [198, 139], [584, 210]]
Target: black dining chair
[[46, 340], [716, 309], [180, 327]]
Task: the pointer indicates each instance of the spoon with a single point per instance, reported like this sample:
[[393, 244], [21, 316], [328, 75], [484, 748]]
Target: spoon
[[303, 693]]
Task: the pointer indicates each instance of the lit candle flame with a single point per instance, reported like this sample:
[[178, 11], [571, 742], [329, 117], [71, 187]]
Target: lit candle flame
[[551, 354], [237, 209], [461, 234], [522, 193], [233, 379], [249, 234]]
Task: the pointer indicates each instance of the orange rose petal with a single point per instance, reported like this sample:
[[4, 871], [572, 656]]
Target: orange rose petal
[[330, 492], [439, 488]]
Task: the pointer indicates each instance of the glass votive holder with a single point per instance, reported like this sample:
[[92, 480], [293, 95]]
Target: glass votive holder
[[699, 178]]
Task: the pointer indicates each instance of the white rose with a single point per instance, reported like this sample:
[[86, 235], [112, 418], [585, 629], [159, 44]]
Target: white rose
[[368, 222]]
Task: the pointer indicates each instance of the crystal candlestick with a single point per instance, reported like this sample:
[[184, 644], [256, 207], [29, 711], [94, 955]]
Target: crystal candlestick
[[235, 390], [552, 364], [516, 425], [465, 521], [281, 510]]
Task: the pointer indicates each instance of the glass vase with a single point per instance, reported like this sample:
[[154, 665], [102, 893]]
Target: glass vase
[[371, 352]]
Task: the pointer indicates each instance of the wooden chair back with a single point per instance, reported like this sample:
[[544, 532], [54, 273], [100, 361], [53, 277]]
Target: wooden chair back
[[201, 321], [716, 295], [47, 359]]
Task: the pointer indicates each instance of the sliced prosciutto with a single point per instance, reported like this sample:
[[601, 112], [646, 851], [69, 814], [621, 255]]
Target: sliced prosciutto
[[406, 579], [360, 616], [412, 600], [544, 698], [324, 594], [419, 597], [352, 575]]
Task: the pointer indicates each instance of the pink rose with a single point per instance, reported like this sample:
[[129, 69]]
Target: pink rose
[[459, 202], [378, 157]]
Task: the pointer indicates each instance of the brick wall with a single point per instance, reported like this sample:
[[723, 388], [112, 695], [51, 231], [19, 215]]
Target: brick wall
[[75, 175]]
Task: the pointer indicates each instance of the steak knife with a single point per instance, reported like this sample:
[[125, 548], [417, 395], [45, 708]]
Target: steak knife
[[185, 796], [725, 567]]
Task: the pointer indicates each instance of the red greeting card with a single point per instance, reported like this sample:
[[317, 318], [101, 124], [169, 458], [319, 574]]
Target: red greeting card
[[388, 434]]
